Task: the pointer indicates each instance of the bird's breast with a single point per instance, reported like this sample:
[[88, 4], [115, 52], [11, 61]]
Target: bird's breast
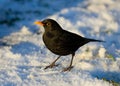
[[55, 46]]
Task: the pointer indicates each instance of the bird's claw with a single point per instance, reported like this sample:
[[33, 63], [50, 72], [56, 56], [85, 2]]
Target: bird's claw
[[51, 66], [67, 69]]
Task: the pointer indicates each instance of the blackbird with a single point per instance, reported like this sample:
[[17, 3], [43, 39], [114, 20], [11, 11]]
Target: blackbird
[[60, 41]]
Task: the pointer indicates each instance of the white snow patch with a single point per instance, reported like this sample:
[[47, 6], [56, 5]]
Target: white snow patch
[[102, 52]]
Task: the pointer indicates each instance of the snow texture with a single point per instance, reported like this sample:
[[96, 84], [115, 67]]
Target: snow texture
[[23, 55]]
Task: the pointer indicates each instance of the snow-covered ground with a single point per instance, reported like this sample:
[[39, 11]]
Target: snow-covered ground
[[23, 55]]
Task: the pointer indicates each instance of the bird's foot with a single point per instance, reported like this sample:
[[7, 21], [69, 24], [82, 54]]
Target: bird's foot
[[67, 69], [51, 65]]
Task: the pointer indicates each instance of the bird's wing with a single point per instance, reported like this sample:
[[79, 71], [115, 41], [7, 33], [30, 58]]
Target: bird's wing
[[67, 43], [69, 40]]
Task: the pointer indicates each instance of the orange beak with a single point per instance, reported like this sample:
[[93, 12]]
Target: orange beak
[[39, 23]]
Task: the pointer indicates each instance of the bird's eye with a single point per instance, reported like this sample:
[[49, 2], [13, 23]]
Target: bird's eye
[[48, 24]]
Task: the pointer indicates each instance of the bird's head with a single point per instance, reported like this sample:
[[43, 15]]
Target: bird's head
[[48, 24]]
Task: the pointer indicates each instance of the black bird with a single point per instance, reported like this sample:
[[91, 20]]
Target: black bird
[[60, 41]]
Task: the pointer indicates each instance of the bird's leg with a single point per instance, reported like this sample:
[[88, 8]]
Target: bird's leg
[[70, 66], [52, 64]]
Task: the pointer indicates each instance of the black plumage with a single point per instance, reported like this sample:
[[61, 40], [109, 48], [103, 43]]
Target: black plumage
[[60, 41]]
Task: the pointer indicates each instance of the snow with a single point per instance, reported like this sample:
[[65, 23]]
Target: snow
[[23, 55]]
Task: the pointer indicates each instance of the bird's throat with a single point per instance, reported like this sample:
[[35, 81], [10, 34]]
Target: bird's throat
[[49, 35]]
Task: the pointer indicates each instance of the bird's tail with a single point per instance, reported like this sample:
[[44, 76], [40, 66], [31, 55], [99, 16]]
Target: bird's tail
[[94, 40]]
